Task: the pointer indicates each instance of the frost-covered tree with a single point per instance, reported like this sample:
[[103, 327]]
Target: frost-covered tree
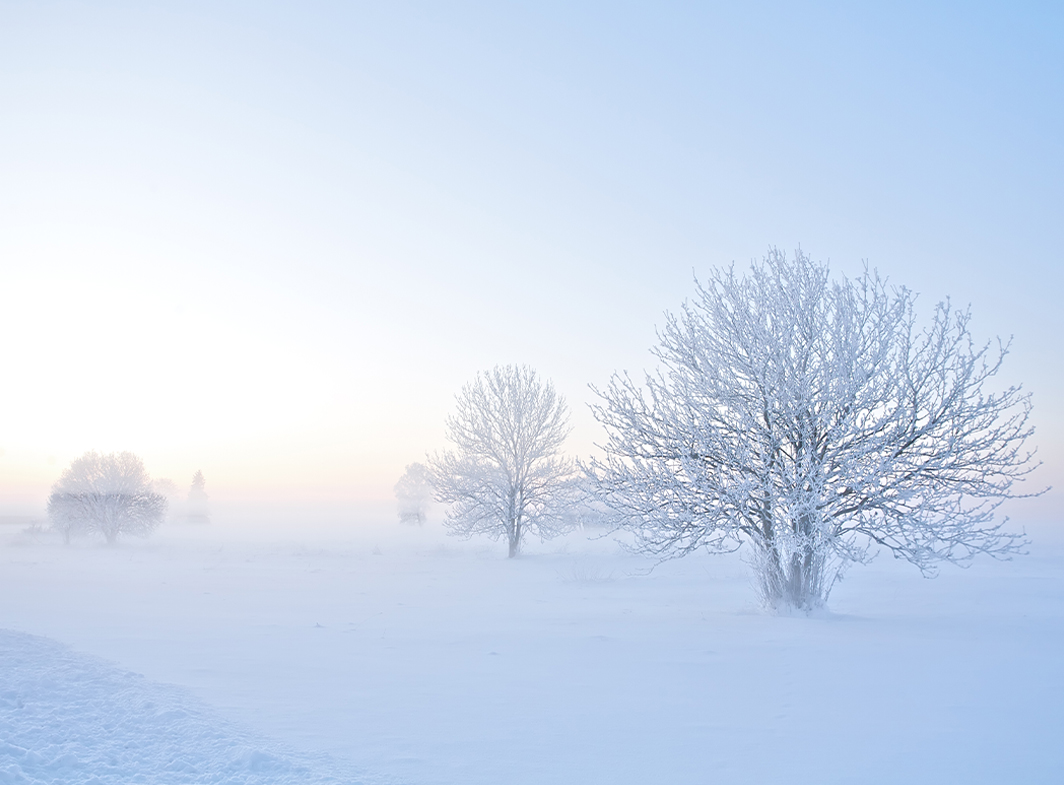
[[107, 494], [414, 493], [816, 420], [506, 476], [198, 511]]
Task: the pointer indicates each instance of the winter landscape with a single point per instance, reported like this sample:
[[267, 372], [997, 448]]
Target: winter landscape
[[404, 656], [486, 394]]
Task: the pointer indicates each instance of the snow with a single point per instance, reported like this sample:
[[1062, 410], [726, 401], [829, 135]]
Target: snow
[[382, 653], [71, 718]]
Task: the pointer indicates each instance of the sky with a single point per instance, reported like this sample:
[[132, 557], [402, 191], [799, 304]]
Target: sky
[[272, 241]]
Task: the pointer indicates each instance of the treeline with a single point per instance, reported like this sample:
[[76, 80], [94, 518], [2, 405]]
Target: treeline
[[112, 494]]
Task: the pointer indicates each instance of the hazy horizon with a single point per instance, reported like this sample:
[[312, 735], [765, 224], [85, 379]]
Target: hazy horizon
[[272, 242]]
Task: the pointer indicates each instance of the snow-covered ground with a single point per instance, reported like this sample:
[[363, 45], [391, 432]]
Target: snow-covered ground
[[67, 717], [391, 654]]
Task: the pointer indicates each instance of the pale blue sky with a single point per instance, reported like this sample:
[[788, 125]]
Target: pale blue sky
[[272, 241]]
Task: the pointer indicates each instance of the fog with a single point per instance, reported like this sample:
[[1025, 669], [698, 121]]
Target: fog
[[302, 232], [408, 656], [272, 242]]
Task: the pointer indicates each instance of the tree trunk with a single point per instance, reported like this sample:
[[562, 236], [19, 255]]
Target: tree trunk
[[794, 581], [802, 580], [515, 538]]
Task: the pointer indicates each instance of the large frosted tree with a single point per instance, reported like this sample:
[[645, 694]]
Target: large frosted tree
[[815, 420], [506, 476]]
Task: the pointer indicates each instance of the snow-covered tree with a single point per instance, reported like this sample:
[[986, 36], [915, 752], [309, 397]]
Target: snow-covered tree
[[106, 494], [198, 511], [506, 476], [414, 493], [815, 420]]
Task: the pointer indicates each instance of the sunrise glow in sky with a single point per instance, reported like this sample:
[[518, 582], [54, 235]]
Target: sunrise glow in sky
[[271, 241]]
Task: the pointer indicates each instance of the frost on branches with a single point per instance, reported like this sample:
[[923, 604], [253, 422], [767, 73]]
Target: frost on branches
[[506, 476], [105, 494], [815, 420]]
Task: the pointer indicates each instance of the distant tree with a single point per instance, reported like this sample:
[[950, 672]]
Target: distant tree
[[106, 494], [506, 476], [165, 486], [168, 490], [198, 510], [814, 420], [414, 493]]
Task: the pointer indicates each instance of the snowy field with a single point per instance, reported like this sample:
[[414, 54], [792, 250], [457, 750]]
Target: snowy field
[[228, 654]]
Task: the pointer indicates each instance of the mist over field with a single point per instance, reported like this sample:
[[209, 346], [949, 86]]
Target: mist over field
[[408, 656], [464, 393]]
